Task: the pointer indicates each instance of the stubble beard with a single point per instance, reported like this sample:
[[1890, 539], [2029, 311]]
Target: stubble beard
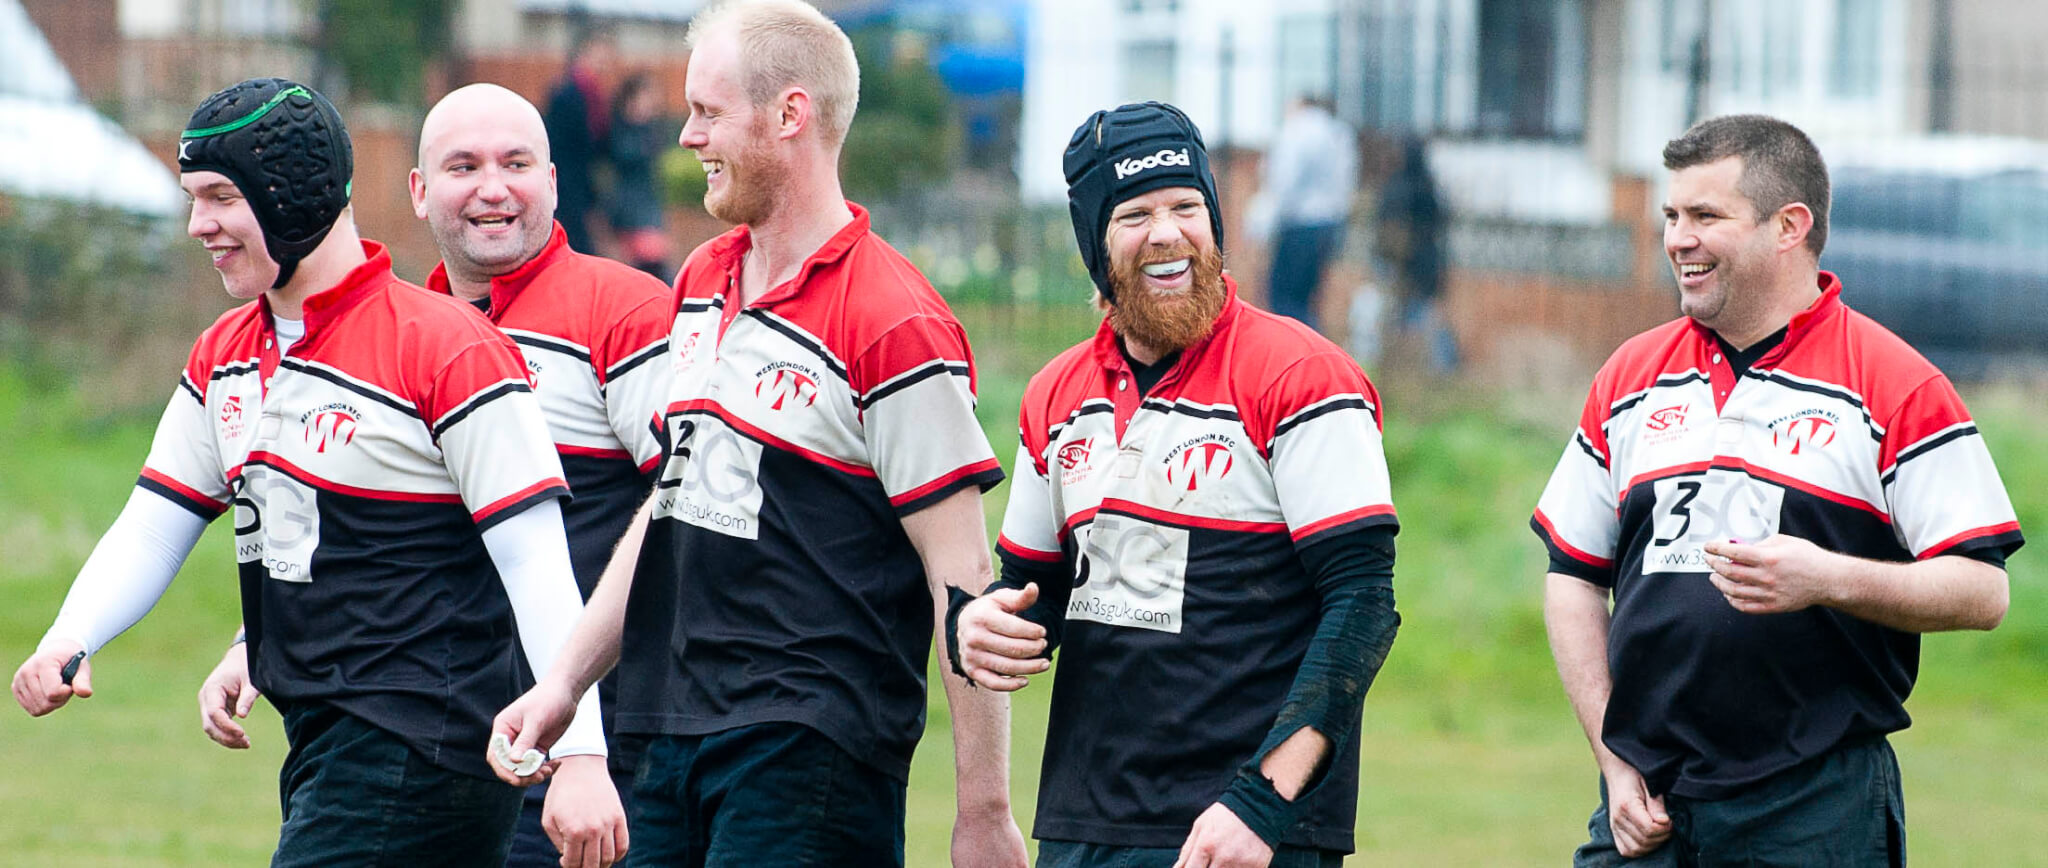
[[1168, 323], [749, 193], [482, 260]]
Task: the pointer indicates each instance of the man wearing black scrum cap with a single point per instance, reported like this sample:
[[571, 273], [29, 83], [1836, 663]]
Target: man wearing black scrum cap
[[395, 494], [1201, 523]]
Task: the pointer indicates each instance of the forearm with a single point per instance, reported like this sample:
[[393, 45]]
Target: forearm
[[953, 547], [531, 553], [1323, 707], [128, 571], [1576, 617], [1951, 592], [1354, 578], [1320, 716], [981, 743], [593, 648]]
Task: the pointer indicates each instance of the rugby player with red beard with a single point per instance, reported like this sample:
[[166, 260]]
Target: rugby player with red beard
[[1201, 523]]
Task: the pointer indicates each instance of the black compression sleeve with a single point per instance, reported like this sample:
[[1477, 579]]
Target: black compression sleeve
[[1354, 574]]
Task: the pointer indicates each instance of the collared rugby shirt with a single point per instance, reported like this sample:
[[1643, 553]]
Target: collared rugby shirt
[[362, 466], [1178, 514], [1841, 435], [776, 582], [594, 334]]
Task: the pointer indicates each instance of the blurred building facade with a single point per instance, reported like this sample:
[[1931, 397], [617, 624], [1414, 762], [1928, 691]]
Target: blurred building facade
[[1546, 118]]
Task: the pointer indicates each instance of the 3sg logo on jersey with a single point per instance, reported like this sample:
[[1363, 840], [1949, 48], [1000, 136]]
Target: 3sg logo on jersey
[[712, 478], [1131, 573], [1694, 510], [277, 523]]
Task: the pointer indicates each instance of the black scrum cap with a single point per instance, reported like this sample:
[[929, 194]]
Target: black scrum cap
[[284, 146], [1133, 150]]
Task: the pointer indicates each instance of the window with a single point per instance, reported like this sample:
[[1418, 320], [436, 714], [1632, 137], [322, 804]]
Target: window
[[1783, 23], [1308, 56], [1853, 72], [1389, 75], [259, 17], [1148, 70], [1532, 79]]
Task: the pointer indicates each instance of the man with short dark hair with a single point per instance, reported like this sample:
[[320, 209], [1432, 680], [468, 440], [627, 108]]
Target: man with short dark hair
[[1780, 495], [395, 497], [1200, 523]]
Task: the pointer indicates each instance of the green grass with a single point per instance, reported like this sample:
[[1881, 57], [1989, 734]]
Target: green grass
[[1471, 755]]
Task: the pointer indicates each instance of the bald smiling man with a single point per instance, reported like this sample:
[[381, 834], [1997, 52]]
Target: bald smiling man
[[593, 333]]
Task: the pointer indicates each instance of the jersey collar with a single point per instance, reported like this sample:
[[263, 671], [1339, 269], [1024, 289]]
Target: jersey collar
[[506, 287], [330, 304], [1803, 323], [1109, 351], [729, 251]]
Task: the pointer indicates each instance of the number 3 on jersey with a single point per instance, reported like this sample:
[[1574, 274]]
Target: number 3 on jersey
[[1694, 510]]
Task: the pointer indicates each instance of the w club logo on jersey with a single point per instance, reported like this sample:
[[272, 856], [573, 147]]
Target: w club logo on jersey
[[1076, 460], [1803, 432], [331, 426], [1165, 157], [1200, 462], [785, 386]]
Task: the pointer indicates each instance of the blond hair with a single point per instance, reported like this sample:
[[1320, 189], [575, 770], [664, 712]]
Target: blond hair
[[789, 43]]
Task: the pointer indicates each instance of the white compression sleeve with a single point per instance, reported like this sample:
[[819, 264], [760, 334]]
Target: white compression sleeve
[[128, 571], [531, 551]]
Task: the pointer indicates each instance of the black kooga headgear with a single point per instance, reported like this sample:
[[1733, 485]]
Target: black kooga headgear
[[1133, 150], [284, 145]]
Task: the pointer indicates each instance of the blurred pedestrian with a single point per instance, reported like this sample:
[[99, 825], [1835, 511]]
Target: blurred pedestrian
[[640, 134], [1311, 173], [1780, 496], [578, 121], [396, 501], [771, 608], [1200, 525], [1407, 242]]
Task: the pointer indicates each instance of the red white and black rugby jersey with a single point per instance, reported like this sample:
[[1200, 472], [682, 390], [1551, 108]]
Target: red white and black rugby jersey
[[362, 465], [1841, 435], [776, 582], [594, 334], [1178, 514]]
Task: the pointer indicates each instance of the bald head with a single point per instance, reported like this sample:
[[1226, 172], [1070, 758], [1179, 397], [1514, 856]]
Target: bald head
[[484, 184], [478, 114]]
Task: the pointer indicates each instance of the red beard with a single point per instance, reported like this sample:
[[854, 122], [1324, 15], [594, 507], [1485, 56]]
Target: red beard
[[1167, 323]]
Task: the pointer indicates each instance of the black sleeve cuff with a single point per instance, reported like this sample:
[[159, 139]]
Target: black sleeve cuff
[[956, 600], [1252, 798]]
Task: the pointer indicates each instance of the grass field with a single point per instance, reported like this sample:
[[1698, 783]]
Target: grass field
[[1471, 754]]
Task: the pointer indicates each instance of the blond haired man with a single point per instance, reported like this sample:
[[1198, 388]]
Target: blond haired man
[[780, 590]]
